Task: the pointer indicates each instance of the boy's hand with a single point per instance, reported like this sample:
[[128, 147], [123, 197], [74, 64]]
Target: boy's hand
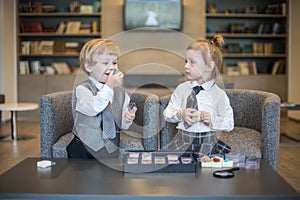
[[130, 115], [114, 80]]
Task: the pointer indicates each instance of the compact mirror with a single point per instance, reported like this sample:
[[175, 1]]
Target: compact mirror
[[223, 174]]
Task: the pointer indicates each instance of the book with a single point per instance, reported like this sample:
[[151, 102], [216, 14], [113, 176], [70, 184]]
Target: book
[[35, 66], [35, 47], [281, 68], [59, 47], [243, 66], [258, 48], [268, 48], [260, 28], [61, 67], [233, 71], [25, 47], [61, 28], [94, 27], [85, 29], [87, 9], [73, 27], [275, 67], [24, 67], [252, 68], [46, 47], [72, 47]]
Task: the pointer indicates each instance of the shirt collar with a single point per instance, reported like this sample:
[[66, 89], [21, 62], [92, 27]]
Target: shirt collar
[[98, 85], [207, 85]]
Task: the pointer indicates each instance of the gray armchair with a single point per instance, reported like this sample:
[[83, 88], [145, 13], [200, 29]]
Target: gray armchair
[[257, 124], [56, 123]]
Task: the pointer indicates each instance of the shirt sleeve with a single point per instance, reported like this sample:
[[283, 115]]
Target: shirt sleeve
[[92, 105], [125, 125], [224, 119], [170, 113]]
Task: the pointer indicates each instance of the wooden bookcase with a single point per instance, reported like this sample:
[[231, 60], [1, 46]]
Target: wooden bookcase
[[40, 37], [44, 42], [256, 42]]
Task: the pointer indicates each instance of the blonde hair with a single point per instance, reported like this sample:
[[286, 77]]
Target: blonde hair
[[210, 50], [94, 48]]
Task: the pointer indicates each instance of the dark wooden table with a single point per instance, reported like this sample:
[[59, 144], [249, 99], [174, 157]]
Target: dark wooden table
[[82, 179]]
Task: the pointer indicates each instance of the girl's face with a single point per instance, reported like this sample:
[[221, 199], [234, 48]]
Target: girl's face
[[105, 65], [195, 67]]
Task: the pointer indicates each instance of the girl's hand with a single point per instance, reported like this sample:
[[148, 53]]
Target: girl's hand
[[189, 115], [205, 117]]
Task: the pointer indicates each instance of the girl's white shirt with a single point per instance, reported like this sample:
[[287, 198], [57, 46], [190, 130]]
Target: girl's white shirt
[[212, 99]]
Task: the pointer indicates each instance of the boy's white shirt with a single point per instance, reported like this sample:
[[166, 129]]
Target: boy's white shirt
[[212, 99], [91, 105]]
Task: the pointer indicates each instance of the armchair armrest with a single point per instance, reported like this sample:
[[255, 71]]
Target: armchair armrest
[[56, 119], [260, 111], [147, 119]]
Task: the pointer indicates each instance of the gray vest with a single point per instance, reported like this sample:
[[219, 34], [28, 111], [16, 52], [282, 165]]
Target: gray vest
[[88, 128]]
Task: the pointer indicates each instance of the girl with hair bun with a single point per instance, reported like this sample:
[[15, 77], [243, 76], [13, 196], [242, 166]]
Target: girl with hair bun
[[199, 105]]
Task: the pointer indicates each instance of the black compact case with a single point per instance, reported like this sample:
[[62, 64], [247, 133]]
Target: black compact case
[[159, 162]]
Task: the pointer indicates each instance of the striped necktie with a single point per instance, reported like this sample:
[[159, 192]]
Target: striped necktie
[[109, 128], [192, 101]]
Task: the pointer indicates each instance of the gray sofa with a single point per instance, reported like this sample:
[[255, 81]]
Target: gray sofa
[[56, 123], [257, 124]]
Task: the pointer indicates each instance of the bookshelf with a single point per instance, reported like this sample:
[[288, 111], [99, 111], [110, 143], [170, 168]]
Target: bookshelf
[[49, 37], [54, 31], [255, 32]]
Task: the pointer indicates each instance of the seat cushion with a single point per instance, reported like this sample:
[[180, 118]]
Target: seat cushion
[[59, 149], [128, 141], [243, 140]]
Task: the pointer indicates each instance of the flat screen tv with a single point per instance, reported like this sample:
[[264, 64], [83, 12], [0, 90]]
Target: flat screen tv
[[164, 14]]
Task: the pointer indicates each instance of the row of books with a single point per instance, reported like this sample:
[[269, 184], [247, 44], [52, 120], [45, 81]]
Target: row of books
[[276, 8], [241, 28], [76, 27], [69, 27], [34, 67], [242, 68], [265, 48], [74, 6], [250, 68], [49, 47], [268, 48]]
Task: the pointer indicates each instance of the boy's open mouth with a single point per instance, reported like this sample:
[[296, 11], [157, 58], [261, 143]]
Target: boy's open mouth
[[107, 72]]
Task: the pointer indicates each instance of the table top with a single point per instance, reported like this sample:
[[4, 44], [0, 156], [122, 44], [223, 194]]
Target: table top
[[89, 179], [289, 106], [18, 106]]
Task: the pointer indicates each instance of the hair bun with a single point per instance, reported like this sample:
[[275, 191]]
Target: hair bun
[[218, 40]]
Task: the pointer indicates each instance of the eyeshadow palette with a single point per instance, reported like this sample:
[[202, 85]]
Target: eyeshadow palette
[[159, 162]]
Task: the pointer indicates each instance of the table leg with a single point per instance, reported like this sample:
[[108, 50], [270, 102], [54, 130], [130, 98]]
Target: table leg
[[14, 125]]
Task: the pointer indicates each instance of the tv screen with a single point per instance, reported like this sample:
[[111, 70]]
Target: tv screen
[[166, 14]]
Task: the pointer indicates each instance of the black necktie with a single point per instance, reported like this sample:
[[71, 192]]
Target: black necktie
[[191, 101], [197, 89]]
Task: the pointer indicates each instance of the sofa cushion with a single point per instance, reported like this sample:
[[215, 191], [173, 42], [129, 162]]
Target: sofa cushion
[[59, 149], [243, 140], [128, 141]]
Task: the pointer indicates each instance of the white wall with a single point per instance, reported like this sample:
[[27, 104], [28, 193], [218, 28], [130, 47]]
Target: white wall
[[294, 71], [8, 69]]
